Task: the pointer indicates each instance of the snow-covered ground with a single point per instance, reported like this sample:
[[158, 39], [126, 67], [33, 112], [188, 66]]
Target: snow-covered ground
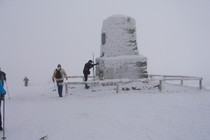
[[176, 113]]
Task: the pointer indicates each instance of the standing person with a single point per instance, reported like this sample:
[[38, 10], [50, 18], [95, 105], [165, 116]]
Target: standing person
[[2, 93], [26, 81], [86, 70], [58, 75]]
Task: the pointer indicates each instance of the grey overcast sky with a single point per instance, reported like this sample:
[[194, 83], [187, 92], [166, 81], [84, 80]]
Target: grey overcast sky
[[36, 35]]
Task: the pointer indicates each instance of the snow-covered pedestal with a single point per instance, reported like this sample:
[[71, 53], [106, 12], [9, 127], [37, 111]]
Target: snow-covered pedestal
[[119, 57]]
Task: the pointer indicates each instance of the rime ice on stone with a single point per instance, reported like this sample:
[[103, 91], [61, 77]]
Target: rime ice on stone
[[118, 37], [119, 57]]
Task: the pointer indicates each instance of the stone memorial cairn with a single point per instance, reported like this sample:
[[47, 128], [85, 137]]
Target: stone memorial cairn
[[119, 56]]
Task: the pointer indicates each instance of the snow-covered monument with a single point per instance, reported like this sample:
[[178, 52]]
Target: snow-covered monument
[[119, 56]]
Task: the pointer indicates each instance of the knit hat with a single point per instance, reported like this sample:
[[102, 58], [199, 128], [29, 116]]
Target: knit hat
[[90, 61]]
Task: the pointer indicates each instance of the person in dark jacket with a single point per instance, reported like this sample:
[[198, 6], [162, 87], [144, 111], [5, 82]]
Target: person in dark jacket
[[86, 70], [26, 81], [3, 92]]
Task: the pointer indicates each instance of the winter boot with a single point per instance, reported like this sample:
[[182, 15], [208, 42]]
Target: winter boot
[[86, 86]]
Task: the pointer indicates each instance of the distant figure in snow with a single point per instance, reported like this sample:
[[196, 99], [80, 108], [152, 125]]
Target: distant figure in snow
[[2, 93], [58, 75], [86, 70], [26, 81]]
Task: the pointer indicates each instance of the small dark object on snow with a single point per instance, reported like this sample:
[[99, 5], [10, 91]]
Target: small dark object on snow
[[43, 138], [126, 89]]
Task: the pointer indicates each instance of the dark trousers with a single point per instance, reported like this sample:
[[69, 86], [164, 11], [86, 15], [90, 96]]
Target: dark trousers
[[26, 84], [1, 99], [86, 78], [0, 114], [60, 87]]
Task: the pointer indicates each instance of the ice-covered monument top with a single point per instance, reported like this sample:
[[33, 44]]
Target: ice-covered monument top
[[118, 36]]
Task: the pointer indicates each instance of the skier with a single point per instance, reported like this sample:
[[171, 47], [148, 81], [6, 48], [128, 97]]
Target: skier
[[26, 81], [2, 93], [86, 71], [59, 74]]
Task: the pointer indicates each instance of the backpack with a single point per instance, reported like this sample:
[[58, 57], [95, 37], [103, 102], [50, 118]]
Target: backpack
[[2, 76], [58, 74]]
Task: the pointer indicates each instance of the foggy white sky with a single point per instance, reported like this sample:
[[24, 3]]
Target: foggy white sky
[[36, 35]]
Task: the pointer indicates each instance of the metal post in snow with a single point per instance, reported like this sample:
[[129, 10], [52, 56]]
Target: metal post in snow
[[3, 137], [93, 70]]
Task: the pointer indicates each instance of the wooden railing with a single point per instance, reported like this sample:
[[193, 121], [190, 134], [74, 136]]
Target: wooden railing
[[80, 82], [162, 78]]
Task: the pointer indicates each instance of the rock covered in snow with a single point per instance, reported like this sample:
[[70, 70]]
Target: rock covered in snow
[[119, 57]]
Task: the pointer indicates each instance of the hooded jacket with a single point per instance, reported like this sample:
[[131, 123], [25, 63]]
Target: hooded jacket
[[63, 74], [2, 90]]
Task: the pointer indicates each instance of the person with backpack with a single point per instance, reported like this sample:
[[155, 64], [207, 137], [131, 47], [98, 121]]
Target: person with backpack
[[86, 70], [58, 75], [2, 93]]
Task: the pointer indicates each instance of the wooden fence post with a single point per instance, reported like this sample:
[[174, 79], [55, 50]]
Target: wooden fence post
[[160, 86], [182, 82], [118, 88], [66, 88], [200, 83]]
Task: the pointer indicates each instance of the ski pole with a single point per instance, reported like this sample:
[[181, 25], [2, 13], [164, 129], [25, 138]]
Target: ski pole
[[93, 71], [3, 137], [7, 90], [55, 86]]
